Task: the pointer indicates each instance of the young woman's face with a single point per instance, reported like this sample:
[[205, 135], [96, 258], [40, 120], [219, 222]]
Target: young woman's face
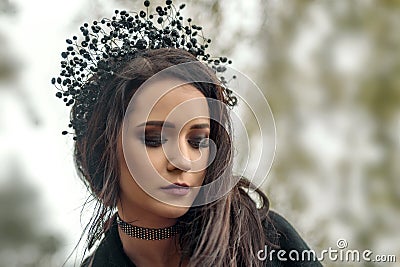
[[163, 151]]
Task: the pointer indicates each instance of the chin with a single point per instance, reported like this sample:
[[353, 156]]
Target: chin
[[172, 212]]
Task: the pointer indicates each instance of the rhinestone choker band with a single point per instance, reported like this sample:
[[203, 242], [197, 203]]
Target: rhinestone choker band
[[148, 233]]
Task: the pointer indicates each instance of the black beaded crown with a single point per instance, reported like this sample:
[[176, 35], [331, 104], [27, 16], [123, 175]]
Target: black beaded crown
[[120, 38]]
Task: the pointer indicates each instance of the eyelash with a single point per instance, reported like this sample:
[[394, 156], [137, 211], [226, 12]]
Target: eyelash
[[197, 142], [153, 140]]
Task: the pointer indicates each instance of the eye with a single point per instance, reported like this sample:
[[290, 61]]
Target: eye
[[153, 140], [199, 142]]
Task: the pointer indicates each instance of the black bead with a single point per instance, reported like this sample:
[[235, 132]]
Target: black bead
[[146, 3], [221, 69], [141, 44]]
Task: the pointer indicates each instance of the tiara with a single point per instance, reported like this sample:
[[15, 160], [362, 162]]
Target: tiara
[[106, 42]]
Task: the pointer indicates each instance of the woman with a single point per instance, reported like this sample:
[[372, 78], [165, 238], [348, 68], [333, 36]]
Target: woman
[[153, 144]]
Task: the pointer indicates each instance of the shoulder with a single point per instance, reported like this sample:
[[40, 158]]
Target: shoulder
[[285, 232], [287, 247]]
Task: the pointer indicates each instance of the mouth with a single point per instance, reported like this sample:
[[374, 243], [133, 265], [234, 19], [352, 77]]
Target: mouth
[[177, 189]]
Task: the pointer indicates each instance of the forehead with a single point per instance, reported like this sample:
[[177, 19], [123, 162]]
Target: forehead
[[168, 99]]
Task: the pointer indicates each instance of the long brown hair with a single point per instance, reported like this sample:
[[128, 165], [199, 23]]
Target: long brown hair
[[226, 232]]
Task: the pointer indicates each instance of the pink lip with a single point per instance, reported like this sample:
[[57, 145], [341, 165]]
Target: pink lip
[[176, 189]]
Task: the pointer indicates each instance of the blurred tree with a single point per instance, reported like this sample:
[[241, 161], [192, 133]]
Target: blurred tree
[[331, 70], [11, 65], [7, 66], [6, 7], [23, 239]]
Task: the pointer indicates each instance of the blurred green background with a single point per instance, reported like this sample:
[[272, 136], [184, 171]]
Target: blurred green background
[[331, 73]]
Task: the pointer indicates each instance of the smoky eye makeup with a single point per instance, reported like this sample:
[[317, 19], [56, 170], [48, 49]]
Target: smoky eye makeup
[[155, 135], [199, 142], [152, 137], [199, 139], [156, 140]]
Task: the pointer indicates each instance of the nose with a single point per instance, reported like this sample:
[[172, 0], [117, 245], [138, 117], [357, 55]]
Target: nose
[[178, 156]]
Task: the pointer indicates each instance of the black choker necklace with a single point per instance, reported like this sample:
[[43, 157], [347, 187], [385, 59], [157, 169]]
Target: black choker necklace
[[149, 233]]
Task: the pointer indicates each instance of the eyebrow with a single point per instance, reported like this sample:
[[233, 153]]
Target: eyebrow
[[200, 126], [171, 125], [157, 123]]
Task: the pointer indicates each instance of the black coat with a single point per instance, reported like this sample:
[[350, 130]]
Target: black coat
[[111, 254]]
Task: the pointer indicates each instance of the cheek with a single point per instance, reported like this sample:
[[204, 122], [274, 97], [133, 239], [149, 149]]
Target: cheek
[[144, 165], [202, 162], [155, 158], [200, 176]]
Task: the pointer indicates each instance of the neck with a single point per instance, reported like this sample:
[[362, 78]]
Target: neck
[[142, 252], [144, 218], [148, 233], [151, 252]]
